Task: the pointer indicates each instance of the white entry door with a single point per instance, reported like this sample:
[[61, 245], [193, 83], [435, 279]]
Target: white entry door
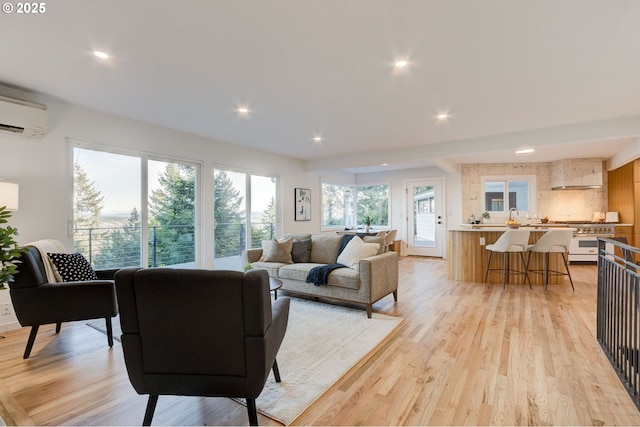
[[425, 217]]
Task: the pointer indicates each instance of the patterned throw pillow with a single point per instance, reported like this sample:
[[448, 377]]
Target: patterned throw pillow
[[72, 267]]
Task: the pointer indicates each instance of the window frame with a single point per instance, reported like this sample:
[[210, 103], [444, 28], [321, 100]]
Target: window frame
[[531, 196], [354, 208], [144, 157]]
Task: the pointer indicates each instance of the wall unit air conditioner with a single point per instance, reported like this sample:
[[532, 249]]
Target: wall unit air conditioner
[[23, 117]]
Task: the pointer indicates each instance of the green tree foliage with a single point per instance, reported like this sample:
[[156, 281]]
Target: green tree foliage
[[121, 246], [266, 229], [88, 201], [337, 204], [229, 217], [172, 217], [373, 202]]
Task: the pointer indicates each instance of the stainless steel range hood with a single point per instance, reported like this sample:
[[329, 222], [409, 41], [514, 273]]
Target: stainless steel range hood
[[576, 174]]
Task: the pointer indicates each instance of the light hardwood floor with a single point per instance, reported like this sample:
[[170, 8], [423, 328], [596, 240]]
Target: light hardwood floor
[[466, 354]]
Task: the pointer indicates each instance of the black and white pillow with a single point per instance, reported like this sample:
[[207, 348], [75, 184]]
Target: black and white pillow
[[72, 267]]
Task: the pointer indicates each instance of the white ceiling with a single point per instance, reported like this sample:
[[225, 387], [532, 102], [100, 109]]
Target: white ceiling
[[561, 76]]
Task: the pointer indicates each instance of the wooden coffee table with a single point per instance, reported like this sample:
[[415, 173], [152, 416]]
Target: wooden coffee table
[[274, 285]]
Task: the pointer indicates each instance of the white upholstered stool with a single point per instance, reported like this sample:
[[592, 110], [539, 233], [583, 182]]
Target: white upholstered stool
[[510, 241], [553, 241]]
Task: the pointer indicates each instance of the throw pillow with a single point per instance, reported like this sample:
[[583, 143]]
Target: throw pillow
[[72, 267], [301, 251], [279, 251], [266, 244], [324, 248], [265, 248], [355, 251]]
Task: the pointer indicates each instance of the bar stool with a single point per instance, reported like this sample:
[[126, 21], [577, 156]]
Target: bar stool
[[553, 241], [510, 241]]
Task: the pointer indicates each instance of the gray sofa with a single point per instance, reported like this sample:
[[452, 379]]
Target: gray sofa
[[373, 278]]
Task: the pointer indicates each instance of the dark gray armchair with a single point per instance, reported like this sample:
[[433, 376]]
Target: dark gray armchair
[[37, 302], [199, 333]]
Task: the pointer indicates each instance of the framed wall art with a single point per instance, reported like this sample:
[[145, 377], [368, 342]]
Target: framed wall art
[[303, 204]]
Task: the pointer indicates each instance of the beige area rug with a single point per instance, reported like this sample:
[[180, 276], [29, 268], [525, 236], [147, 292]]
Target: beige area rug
[[322, 343]]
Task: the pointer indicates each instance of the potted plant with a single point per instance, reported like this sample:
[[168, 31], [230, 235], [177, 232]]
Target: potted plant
[[485, 217], [9, 249], [367, 222]]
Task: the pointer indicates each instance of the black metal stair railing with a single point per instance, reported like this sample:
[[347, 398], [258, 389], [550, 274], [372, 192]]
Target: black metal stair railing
[[618, 310]]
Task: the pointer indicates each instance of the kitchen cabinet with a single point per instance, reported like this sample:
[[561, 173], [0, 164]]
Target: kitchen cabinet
[[624, 196]]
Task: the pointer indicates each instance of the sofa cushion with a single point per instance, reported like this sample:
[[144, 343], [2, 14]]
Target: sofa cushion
[[341, 277], [273, 268], [279, 251], [324, 248], [301, 251], [355, 251]]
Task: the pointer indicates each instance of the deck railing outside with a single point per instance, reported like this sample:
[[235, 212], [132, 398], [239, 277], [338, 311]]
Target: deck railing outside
[[118, 247], [618, 310]]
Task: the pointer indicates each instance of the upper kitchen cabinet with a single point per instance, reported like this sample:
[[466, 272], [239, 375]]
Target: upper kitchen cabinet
[[576, 174]]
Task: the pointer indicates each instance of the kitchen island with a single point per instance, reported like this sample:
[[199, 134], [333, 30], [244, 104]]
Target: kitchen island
[[467, 255]]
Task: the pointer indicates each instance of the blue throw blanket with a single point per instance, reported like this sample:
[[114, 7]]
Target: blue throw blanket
[[320, 275]]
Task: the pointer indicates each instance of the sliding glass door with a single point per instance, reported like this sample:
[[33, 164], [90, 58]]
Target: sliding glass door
[[244, 214], [130, 210]]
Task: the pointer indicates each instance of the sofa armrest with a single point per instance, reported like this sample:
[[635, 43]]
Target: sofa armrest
[[380, 274], [251, 255]]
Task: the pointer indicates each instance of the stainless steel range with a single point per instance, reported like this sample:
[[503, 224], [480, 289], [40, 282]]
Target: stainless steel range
[[584, 245]]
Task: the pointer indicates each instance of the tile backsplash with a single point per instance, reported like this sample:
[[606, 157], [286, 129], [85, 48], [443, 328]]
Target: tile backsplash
[[558, 205]]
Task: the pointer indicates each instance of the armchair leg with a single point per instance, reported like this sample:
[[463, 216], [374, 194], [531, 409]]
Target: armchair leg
[[253, 413], [31, 340], [151, 407], [276, 371], [58, 327], [109, 331]]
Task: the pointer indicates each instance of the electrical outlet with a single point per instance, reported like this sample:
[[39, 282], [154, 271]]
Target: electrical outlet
[[482, 241], [5, 309]]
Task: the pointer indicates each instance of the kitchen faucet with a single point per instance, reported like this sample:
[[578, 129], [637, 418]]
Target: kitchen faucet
[[511, 213]]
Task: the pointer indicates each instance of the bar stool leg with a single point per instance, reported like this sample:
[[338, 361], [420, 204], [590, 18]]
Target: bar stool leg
[[526, 266], [486, 274], [546, 270], [505, 263], [566, 265]]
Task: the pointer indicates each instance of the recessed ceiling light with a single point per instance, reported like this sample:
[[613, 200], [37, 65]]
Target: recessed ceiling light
[[402, 63], [100, 54], [442, 116], [243, 110], [525, 151], [317, 139], [384, 164]]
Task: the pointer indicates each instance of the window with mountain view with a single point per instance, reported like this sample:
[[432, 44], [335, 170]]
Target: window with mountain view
[[112, 226]]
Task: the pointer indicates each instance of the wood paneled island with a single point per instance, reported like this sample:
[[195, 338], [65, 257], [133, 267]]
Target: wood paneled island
[[467, 256]]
